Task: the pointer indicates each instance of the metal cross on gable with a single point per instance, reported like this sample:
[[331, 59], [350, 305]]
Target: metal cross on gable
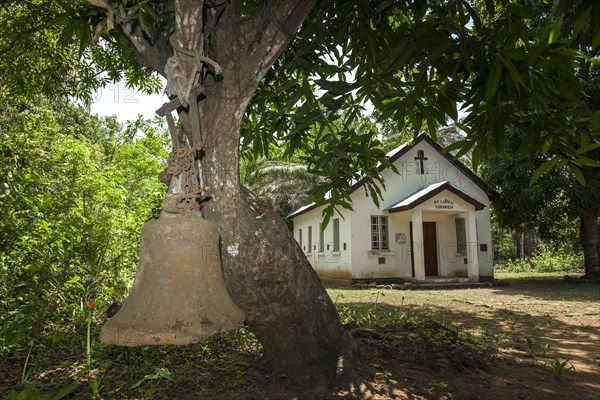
[[421, 157]]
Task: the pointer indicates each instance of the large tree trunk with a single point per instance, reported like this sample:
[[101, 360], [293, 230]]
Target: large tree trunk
[[590, 241], [589, 231], [266, 272]]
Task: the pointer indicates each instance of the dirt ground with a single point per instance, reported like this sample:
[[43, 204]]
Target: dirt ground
[[562, 321], [449, 344]]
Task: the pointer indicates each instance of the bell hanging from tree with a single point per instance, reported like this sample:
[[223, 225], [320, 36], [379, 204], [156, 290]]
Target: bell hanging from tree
[[179, 295]]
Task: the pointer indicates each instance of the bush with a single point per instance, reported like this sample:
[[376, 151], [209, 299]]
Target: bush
[[547, 259], [76, 190]]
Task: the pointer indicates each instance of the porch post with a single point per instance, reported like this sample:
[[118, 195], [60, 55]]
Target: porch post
[[418, 254], [472, 246]]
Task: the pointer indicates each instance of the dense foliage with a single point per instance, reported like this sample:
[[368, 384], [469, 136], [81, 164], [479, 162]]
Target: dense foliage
[[416, 62], [76, 190], [44, 50]]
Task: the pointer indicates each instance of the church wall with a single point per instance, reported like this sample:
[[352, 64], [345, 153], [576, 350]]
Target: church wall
[[332, 266]]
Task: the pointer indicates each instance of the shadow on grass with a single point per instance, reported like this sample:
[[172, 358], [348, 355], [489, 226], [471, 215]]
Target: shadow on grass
[[439, 369], [432, 352], [552, 290]]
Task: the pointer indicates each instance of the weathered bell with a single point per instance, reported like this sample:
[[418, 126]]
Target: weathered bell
[[178, 296]]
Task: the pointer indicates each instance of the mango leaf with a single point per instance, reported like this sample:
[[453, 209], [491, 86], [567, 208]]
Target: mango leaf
[[493, 80], [514, 73], [545, 167], [577, 173], [555, 32], [587, 148]]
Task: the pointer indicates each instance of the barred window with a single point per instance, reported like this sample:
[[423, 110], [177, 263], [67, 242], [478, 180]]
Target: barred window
[[461, 237], [379, 233], [336, 234], [321, 239]]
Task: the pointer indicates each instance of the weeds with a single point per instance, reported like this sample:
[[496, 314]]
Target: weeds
[[32, 393], [96, 384], [561, 367], [159, 373], [537, 348], [386, 376], [363, 314], [441, 386], [13, 332]]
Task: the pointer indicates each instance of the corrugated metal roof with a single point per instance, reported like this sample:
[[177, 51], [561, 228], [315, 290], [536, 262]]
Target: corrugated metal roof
[[416, 196], [430, 191]]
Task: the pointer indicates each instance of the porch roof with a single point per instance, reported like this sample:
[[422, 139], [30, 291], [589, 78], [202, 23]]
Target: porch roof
[[423, 195]]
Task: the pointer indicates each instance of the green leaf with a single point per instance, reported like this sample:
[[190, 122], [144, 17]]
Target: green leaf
[[577, 173], [458, 145], [493, 80], [546, 166], [582, 21], [163, 373], [595, 25], [520, 11], [514, 73], [586, 161], [587, 148], [84, 34], [74, 279], [61, 20], [555, 32], [66, 391]]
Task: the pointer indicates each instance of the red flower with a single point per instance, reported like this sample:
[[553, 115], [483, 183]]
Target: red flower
[[91, 304]]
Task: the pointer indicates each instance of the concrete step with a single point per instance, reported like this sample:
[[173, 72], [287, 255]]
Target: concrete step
[[452, 285], [437, 281]]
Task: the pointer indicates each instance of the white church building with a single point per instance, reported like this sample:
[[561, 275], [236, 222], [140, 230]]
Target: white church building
[[433, 221]]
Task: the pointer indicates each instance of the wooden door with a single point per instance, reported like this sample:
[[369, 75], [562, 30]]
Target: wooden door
[[430, 249]]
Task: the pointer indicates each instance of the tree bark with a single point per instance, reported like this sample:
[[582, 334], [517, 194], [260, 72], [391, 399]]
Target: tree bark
[[589, 232], [265, 271], [519, 239], [590, 241]]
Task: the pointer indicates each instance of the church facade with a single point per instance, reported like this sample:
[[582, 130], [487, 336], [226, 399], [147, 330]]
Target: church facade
[[432, 222]]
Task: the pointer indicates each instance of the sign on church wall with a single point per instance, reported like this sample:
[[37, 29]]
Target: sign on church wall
[[443, 204]]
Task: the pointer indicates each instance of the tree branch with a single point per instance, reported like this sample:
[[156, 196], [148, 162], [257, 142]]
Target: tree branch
[[275, 30], [149, 55], [260, 39], [20, 35]]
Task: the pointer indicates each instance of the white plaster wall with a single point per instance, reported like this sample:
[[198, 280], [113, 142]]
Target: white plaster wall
[[437, 169], [484, 236], [334, 266], [365, 265]]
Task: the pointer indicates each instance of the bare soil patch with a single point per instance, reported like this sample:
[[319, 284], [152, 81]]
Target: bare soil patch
[[561, 320], [443, 344]]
